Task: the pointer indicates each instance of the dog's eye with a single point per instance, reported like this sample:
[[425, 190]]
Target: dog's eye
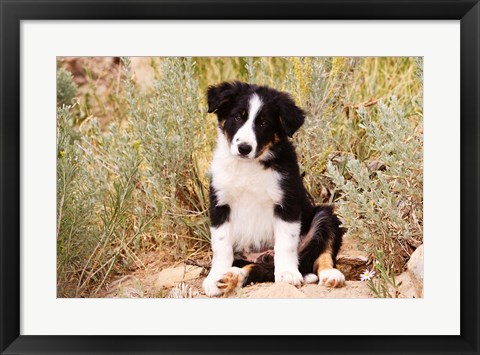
[[263, 124], [238, 117]]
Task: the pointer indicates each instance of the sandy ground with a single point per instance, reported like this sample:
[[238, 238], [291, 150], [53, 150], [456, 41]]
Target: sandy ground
[[157, 279]]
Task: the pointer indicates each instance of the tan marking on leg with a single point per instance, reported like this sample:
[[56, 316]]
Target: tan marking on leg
[[324, 261], [248, 268]]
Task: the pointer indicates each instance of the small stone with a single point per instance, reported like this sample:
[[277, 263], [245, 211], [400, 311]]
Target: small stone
[[172, 276], [130, 292]]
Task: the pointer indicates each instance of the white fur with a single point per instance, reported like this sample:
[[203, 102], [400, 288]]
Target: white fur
[[210, 286], [287, 236], [222, 258], [251, 191], [246, 133], [310, 279], [331, 277]]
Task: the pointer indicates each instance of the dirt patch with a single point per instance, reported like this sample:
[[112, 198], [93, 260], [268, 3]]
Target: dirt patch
[[160, 277], [352, 289], [133, 287]]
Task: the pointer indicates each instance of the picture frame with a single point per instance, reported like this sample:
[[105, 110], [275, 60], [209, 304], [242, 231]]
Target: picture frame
[[13, 12]]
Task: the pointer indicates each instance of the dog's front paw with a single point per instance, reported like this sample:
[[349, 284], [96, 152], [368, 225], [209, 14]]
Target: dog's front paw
[[210, 286], [225, 284], [232, 280], [293, 277], [331, 278]]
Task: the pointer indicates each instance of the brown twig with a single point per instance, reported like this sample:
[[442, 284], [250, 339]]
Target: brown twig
[[195, 263], [368, 103]]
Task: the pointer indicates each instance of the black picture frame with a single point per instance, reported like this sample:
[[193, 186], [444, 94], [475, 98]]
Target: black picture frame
[[13, 12]]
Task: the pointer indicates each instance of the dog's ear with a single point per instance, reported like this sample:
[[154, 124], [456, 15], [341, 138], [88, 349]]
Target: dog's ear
[[221, 94], [291, 116]]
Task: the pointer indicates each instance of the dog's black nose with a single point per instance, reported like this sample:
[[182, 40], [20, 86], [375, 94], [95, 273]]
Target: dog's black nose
[[244, 149]]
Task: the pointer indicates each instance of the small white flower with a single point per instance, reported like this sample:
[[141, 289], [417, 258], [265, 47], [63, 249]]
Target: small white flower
[[367, 275]]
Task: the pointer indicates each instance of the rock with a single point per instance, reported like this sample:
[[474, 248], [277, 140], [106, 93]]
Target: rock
[[352, 260], [412, 278], [143, 72], [408, 287], [415, 264], [352, 266], [172, 276], [130, 292], [272, 290]]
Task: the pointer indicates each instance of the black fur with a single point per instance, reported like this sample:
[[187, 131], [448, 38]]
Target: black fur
[[278, 119], [257, 272], [326, 233], [218, 214], [279, 113]]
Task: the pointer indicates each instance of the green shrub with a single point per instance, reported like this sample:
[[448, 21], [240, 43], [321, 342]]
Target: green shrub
[[175, 141], [99, 210], [383, 207], [66, 88]]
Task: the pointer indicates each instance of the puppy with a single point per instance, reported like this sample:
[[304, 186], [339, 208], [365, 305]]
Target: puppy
[[257, 197]]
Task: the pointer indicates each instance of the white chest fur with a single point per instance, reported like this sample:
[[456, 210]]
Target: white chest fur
[[251, 191]]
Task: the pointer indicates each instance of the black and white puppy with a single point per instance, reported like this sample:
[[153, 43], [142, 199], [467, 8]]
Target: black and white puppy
[[257, 197]]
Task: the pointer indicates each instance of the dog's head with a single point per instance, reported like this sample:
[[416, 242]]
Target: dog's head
[[253, 118]]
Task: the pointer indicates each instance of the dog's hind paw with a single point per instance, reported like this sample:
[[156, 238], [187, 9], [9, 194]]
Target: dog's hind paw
[[331, 278]]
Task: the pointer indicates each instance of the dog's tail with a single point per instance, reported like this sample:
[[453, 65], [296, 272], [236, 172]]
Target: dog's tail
[[319, 247]]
